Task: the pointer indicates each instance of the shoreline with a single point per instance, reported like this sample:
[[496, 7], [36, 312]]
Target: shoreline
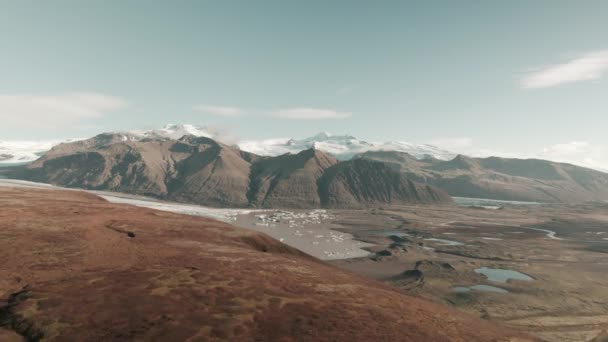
[[308, 230]]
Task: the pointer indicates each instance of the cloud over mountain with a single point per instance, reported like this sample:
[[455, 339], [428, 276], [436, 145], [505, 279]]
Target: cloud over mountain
[[218, 110], [310, 114]]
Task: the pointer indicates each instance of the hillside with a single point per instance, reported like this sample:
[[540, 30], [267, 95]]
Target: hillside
[[501, 178], [289, 180], [362, 182], [78, 268], [203, 171]]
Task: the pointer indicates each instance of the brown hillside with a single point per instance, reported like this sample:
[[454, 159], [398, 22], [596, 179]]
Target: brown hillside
[[76, 268]]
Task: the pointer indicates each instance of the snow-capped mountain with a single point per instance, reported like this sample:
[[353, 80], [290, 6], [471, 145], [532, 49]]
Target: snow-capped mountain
[[13, 152], [175, 131], [341, 146]]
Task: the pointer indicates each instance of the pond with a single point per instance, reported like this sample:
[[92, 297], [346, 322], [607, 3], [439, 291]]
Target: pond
[[393, 233], [482, 288], [445, 242], [502, 275]]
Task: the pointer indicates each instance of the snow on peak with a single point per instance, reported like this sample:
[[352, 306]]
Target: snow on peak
[[321, 136], [341, 146], [175, 131]]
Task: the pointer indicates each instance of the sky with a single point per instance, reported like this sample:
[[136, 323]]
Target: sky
[[510, 78]]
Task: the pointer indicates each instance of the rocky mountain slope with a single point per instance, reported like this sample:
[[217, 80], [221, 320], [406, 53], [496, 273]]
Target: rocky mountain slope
[[501, 178], [289, 180], [363, 181], [77, 268], [203, 171]]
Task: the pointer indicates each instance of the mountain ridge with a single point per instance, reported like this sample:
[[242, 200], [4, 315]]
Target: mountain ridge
[[341, 146], [534, 180], [203, 171]]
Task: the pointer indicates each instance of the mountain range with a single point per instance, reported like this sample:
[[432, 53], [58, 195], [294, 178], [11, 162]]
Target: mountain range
[[341, 146], [501, 178], [187, 163], [203, 171]]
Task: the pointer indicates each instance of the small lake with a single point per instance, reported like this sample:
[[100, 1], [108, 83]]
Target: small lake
[[445, 242], [393, 233], [489, 203], [502, 275], [482, 288]]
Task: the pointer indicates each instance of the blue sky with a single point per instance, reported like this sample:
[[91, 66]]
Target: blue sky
[[516, 78]]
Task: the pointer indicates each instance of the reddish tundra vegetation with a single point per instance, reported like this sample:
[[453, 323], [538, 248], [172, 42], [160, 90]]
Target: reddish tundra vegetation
[[77, 268]]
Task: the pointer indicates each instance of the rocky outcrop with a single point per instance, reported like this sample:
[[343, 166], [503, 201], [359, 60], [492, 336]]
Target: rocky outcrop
[[410, 279]]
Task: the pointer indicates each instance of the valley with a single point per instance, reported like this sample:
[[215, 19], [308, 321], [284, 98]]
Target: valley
[[303, 171], [77, 267], [521, 243], [539, 268]]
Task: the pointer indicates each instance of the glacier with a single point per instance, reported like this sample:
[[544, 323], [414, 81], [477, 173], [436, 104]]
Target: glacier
[[23, 151], [343, 147]]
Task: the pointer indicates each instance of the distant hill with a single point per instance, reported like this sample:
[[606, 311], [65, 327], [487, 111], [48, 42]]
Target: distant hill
[[501, 178], [203, 171]]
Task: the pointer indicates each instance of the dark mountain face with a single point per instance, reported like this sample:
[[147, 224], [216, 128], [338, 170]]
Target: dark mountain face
[[502, 178], [203, 171], [360, 182], [289, 180]]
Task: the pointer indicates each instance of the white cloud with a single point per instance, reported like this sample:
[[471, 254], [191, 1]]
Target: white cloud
[[453, 142], [310, 114], [55, 110], [220, 111], [578, 152], [590, 66]]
